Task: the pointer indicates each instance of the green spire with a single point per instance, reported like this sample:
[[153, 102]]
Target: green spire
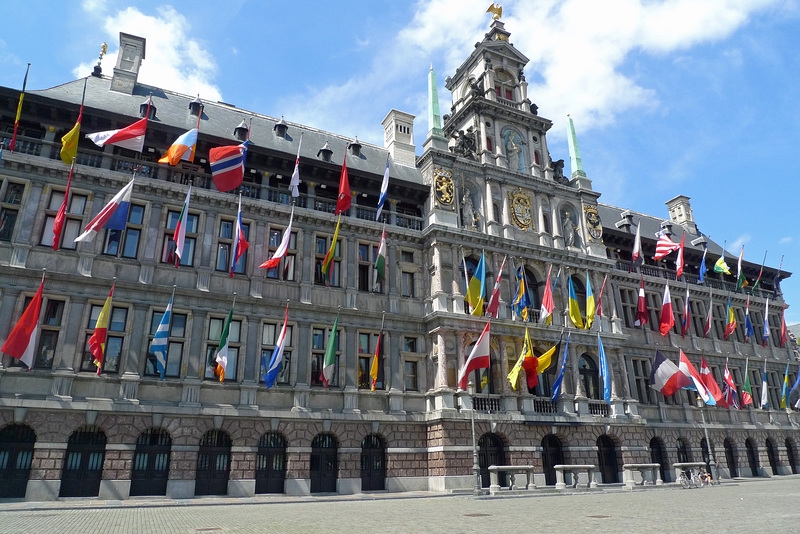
[[574, 151], [434, 118]]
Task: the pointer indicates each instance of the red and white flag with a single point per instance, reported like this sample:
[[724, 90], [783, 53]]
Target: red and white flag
[[685, 325], [494, 301], [21, 342], [294, 184], [679, 259], [690, 371], [666, 377], [641, 307], [599, 309], [240, 244], [478, 358], [130, 137], [280, 252], [664, 246], [547, 301], [707, 326], [667, 317], [711, 384], [729, 389], [637, 256]]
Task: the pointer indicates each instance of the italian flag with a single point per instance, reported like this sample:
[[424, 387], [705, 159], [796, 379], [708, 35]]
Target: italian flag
[[180, 228], [222, 351], [329, 363], [380, 261]]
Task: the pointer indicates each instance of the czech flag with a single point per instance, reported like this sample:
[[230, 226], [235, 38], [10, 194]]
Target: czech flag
[[227, 165], [182, 149]]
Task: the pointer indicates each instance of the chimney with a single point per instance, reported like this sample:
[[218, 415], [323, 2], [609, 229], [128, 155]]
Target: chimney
[[680, 212], [129, 59], [398, 137]]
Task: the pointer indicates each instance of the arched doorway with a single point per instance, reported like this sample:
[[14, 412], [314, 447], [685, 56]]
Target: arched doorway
[[552, 454], [683, 451], [491, 452], [607, 460], [705, 455], [590, 379], [83, 463], [324, 464], [16, 453], [657, 456], [373, 464], [213, 464], [730, 458], [790, 456], [271, 463], [151, 463], [772, 457], [752, 457]]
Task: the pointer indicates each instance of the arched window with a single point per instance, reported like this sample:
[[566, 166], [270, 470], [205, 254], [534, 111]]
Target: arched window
[[772, 456], [552, 455], [16, 453], [213, 464], [151, 463], [607, 459], [83, 463], [548, 229], [590, 378], [752, 457], [373, 463], [657, 456], [324, 464], [580, 292], [491, 451], [730, 458], [271, 463], [683, 452]]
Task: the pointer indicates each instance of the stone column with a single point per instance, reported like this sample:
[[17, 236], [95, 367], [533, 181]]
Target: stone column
[[506, 218], [441, 363], [252, 353], [458, 276], [555, 222]]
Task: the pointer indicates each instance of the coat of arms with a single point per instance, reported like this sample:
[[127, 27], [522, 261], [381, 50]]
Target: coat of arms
[[443, 187], [521, 209], [593, 223]]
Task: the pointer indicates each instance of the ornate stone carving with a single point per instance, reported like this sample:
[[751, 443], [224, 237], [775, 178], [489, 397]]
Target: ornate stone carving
[[521, 209], [594, 226], [444, 188], [466, 144]]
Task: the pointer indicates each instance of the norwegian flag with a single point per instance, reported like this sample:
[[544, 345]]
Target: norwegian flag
[[664, 246]]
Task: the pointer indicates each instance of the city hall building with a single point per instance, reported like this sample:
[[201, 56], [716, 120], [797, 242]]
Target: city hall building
[[485, 183]]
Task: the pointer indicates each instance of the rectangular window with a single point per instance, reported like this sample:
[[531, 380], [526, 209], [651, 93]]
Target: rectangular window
[[755, 385], [115, 336], [366, 350], [73, 221], [10, 202], [407, 284], [641, 377], [269, 338], [410, 377], [49, 329], [407, 256], [285, 269], [215, 326], [628, 299], [653, 309], [321, 246], [775, 385], [319, 341], [225, 247], [737, 380], [367, 254], [175, 345], [697, 310], [775, 329], [168, 248], [410, 344], [718, 320], [125, 243]]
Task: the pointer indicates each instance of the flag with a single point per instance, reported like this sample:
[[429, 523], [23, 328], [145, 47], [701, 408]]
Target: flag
[[590, 305], [114, 216], [329, 363], [604, 374], [58, 222], [783, 326], [664, 246], [637, 256], [521, 302], [764, 389], [667, 317], [494, 301], [97, 342], [384, 190], [690, 371], [179, 236], [158, 347], [294, 184], [574, 307], [747, 392], [525, 361], [328, 261], [275, 360], [476, 290], [380, 261], [703, 269], [220, 363], [729, 389], [560, 377], [21, 342], [711, 384], [679, 258], [765, 334], [666, 377], [741, 281], [599, 312], [546, 359], [182, 149], [707, 325], [344, 198], [226, 162], [280, 252], [795, 389], [546, 313], [69, 143], [375, 364], [240, 244], [785, 393], [720, 266], [730, 325], [478, 358], [19, 110], [685, 321], [760, 272], [748, 325], [641, 307], [130, 137]]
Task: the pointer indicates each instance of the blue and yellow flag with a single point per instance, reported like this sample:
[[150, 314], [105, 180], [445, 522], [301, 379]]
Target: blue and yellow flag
[[590, 305], [574, 308], [785, 394], [521, 302], [476, 291]]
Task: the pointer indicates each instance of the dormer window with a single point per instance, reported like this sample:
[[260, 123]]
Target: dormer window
[[325, 152], [280, 128], [355, 148], [196, 107], [241, 131], [146, 106]]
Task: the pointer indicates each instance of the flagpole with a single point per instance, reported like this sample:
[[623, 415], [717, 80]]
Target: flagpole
[[13, 143], [513, 296], [377, 349]]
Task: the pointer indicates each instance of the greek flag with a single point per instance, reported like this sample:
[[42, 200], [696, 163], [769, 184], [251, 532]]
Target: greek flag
[[159, 345]]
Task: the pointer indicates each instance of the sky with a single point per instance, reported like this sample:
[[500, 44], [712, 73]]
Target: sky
[[670, 97]]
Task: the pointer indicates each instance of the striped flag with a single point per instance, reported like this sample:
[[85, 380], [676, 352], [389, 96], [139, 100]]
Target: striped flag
[[58, 222], [783, 326], [667, 317], [240, 244], [380, 262], [327, 269], [664, 246], [345, 197], [748, 325], [590, 305], [685, 323], [384, 190], [679, 259], [605, 375], [636, 256], [599, 311], [707, 326], [641, 307], [280, 252], [179, 236], [478, 358], [494, 302], [548, 305], [765, 334], [275, 360], [730, 325], [19, 110], [69, 143], [220, 362], [130, 137], [376, 358], [729, 393], [294, 184], [227, 165], [741, 281], [785, 392], [329, 362], [574, 307], [703, 268], [764, 388], [159, 345], [560, 377], [114, 216], [182, 149], [97, 342], [747, 391]]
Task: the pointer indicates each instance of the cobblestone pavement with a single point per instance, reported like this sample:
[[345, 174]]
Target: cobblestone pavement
[[764, 505]]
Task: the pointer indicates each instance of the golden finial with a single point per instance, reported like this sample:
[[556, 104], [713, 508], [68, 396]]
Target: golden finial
[[103, 50], [496, 10]]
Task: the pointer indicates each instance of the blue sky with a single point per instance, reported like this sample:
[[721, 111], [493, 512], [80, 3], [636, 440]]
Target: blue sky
[[668, 97]]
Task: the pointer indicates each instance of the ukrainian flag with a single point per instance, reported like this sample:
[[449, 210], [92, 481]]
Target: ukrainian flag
[[476, 291], [590, 305], [574, 308]]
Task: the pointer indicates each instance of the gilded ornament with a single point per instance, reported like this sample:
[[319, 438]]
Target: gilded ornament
[[593, 223], [521, 209], [443, 187]]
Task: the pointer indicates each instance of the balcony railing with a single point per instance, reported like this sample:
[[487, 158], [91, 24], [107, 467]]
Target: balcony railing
[[544, 405], [486, 403], [600, 408]]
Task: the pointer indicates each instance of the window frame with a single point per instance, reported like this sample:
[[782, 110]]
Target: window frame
[[87, 358], [365, 360], [224, 243], [289, 262], [73, 221], [284, 377], [172, 340], [336, 262], [7, 206], [124, 235], [317, 359], [168, 255], [212, 345]]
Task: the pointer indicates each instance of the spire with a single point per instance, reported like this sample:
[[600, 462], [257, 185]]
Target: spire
[[434, 118], [574, 151]]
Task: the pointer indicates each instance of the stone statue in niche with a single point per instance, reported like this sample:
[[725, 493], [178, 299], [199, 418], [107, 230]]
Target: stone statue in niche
[[514, 153], [558, 172], [468, 218], [570, 230]]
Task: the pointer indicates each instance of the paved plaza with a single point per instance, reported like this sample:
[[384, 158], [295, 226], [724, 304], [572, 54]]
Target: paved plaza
[[762, 505]]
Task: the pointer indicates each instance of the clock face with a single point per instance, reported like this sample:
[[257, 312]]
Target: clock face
[[521, 209]]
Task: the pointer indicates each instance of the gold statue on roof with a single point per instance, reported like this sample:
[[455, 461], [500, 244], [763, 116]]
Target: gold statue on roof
[[103, 50], [496, 10]]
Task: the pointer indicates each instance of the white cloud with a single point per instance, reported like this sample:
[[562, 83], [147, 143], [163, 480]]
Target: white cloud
[[173, 60], [736, 246], [785, 240]]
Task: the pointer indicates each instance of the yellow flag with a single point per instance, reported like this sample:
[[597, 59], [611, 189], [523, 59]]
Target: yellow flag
[[69, 143], [546, 359], [513, 375]]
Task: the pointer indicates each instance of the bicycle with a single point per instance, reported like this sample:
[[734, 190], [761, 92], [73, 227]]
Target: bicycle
[[690, 479]]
